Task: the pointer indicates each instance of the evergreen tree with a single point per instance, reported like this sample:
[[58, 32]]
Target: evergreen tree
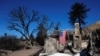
[[78, 13]]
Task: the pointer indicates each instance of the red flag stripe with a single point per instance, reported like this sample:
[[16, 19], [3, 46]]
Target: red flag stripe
[[62, 37]]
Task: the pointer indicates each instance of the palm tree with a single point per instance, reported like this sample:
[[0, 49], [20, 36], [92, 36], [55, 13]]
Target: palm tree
[[78, 13]]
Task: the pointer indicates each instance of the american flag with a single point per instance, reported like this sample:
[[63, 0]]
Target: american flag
[[62, 37]]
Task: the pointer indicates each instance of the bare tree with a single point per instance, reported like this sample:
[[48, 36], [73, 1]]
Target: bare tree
[[21, 20], [56, 30], [43, 27]]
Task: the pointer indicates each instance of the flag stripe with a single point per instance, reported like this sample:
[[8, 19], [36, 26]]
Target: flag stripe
[[62, 37]]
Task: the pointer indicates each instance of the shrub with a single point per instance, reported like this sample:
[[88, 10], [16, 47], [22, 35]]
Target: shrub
[[9, 43]]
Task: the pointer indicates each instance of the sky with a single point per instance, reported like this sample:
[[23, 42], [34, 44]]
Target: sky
[[56, 10]]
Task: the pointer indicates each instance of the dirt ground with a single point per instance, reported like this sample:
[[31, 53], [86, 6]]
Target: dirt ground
[[25, 52]]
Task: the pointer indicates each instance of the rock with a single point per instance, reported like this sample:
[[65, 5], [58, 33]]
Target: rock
[[5, 52], [50, 45]]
